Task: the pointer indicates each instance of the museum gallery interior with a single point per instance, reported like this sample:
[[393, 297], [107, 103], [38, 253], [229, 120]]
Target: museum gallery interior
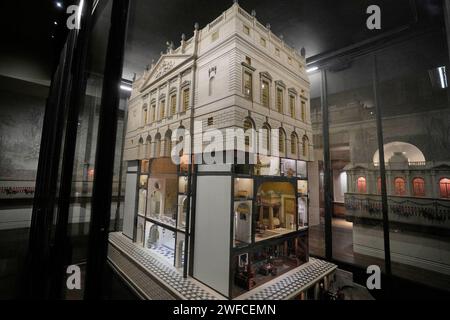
[[231, 150]]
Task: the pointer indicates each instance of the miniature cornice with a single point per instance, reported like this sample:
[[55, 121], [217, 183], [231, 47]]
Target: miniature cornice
[[280, 83], [172, 90], [293, 91], [248, 66], [265, 74], [185, 84]]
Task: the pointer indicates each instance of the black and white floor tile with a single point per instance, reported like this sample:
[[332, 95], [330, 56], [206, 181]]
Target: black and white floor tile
[[283, 287], [288, 285], [159, 268], [165, 252]]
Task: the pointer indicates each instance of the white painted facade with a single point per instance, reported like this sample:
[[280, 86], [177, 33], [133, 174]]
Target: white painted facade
[[211, 66]]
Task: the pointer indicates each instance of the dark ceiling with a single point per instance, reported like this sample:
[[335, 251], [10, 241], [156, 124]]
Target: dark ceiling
[[317, 25]]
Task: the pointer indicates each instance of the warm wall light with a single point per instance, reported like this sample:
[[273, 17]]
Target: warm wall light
[[312, 69]]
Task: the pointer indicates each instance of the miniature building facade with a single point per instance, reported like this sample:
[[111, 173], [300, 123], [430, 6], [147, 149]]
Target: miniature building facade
[[230, 226]]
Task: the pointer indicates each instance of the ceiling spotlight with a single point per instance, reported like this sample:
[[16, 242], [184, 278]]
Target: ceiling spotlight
[[126, 88], [55, 23], [59, 4], [312, 69]]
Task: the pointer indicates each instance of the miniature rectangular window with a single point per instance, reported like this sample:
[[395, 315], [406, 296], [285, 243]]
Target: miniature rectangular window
[[162, 109], [246, 30], [215, 36], [265, 89], [154, 113], [292, 106], [248, 78], [210, 121], [263, 42], [248, 61], [185, 99], [280, 100], [277, 52], [173, 104], [303, 111], [145, 118]]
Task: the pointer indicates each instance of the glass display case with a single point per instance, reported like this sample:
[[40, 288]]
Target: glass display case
[[161, 241], [242, 223], [267, 166], [302, 187], [263, 263], [275, 210], [302, 208], [302, 169], [288, 168]]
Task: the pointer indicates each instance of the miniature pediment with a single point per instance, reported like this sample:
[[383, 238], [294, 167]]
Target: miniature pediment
[[165, 64]]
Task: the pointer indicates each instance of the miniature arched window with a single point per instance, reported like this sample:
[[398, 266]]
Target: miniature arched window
[[248, 126], [153, 112], [158, 145], [168, 143], [444, 188], [305, 146], [281, 140], [294, 143], [265, 138], [361, 185], [418, 187], [400, 186]]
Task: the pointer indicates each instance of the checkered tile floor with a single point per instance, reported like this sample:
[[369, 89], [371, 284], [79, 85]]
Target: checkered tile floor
[[184, 288], [293, 282], [283, 287], [165, 252]]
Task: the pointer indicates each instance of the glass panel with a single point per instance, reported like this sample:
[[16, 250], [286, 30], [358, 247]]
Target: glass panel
[[315, 172], [413, 95], [357, 224], [85, 152], [160, 241]]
